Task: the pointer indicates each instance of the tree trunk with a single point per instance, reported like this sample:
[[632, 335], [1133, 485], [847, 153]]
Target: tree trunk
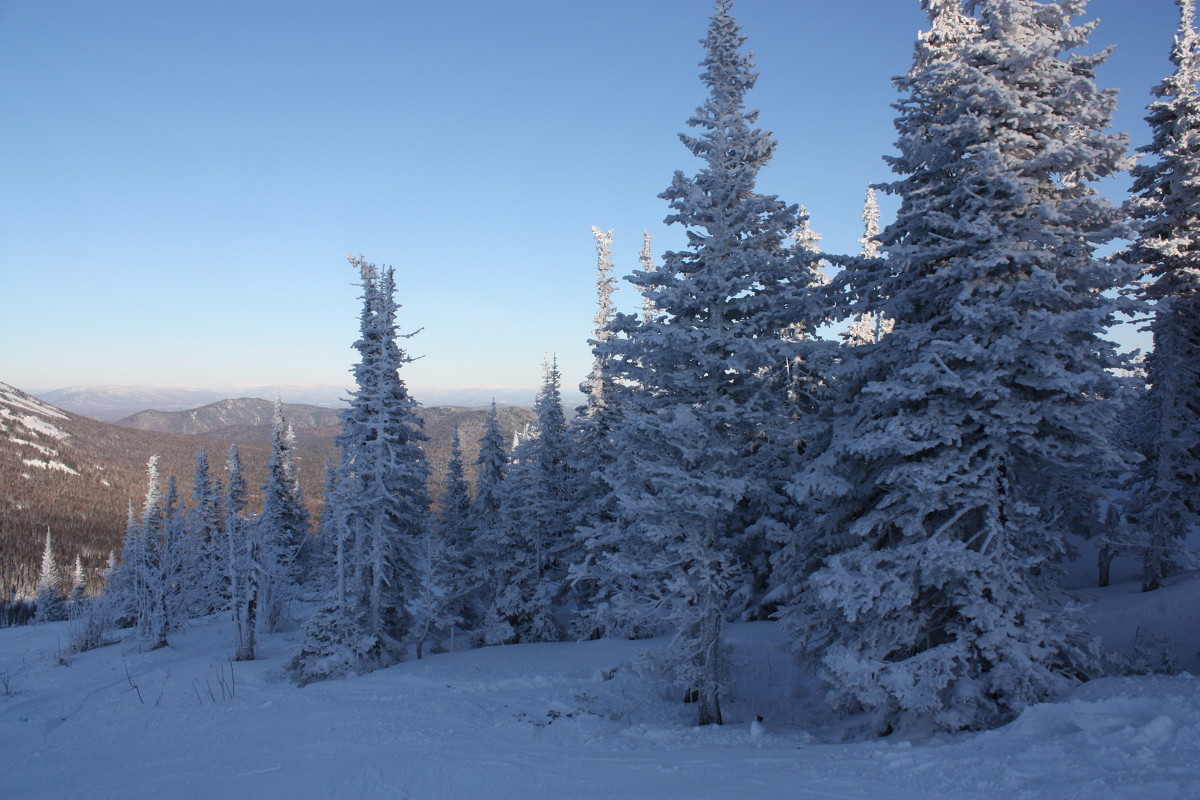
[[710, 708], [1107, 554], [248, 645]]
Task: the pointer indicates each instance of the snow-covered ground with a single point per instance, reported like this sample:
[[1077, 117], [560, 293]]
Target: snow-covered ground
[[572, 720]]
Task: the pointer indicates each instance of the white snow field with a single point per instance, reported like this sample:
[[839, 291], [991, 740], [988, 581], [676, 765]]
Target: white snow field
[[571, 720]]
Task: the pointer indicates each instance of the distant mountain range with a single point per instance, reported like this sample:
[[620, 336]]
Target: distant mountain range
[[76, 475], [111, 403], [249, 420], [215, 419]]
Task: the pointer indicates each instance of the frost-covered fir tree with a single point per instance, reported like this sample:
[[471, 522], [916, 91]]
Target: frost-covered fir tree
[[965, 444], [377, 507], [282, 529], [869, 326], [129, 583], [50, 605], [1166, 202], [151, 587], [536, 530], [646, 264], [239, 540], [171, 580], [487, 549], [490, 466], [805, 237], [453, 517], [708, 372], [208, 521], [452, 540], [598, 386], [593, 426], [78, 583]]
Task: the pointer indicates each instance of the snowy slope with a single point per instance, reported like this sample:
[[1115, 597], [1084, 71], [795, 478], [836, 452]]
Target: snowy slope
[[536, 721]]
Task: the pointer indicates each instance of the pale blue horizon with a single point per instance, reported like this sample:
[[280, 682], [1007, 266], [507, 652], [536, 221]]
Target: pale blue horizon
[[184, 180]]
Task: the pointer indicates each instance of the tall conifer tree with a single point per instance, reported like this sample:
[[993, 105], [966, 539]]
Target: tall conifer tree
[[1166, 500], [50, 605], [377, 506], [965, 443], [282, 529], [709, 375]]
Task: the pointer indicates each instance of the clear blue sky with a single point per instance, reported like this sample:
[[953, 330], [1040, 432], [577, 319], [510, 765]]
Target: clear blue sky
[[180, 181]]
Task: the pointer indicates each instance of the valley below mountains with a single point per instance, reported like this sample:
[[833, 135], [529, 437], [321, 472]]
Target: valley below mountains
[[77, 476]]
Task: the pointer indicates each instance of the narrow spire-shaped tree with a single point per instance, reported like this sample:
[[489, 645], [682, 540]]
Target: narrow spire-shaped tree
[[446, 558], [171, 568], [870, 220], [283, 527], [709, 369], [595, 422], [150, 588], [965, 443], [208, 520], [132, 581], [377, 506], [646, 263], [869, 326], [50, 606], [598, 386], [238, 535], [805, 237], [454, 506], [1166, 202], [490, 465], [487, 551], [537, 524], [78, 583]]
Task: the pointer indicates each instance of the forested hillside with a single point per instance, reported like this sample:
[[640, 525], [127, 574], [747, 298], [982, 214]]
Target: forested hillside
[[76, 476]]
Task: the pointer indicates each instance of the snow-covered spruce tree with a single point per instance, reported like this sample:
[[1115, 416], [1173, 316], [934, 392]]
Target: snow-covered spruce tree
[[453, 518], [1166, 491], [598, 386], [454, 538], [170, 584], [709, 376], [487, 549], [78, 593], [593, 426], [377, 507], [536, 536], [50, 605], [965, 444], [869, 326], [490, 466], [646, 263], [282, 529], [129, 590], [151, 588], [208, 522], [119, 579], [236, 536]]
